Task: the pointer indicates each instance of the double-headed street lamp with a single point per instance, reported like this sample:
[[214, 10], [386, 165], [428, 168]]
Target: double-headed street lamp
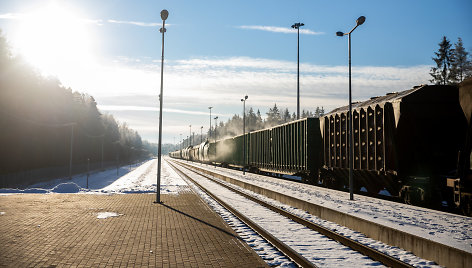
[[297, 26], [359, 21], [164, 15], [244, 132]]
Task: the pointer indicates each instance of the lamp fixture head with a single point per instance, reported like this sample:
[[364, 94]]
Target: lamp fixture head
[[297, 25], [360, 20], [339, 33], [164, 14]]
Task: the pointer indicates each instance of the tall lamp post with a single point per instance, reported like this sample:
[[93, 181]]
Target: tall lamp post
[[216, 118], [297, 26], [359, 21], [244, 132], [210, 124], [181, 141], [201, 134], [164, 15]]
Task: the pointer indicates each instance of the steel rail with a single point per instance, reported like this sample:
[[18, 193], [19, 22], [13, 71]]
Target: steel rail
[[286, 250], [363, 249]]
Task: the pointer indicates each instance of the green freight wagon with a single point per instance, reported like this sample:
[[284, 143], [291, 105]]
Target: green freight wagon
[[293, 148]]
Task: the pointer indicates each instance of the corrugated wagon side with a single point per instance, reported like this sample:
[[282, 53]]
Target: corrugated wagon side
[[259, 150], [293, 148], [405, 142]]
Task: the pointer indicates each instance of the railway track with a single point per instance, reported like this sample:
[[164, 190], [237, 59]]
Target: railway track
[[283, 247]]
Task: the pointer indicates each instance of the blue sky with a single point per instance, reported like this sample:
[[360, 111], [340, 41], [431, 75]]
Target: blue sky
[[218, 51]]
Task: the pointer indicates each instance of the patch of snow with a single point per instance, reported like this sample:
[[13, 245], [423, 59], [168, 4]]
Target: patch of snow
[[317, 248], [7, 191], [66, 188], [385, 192], [144, 180], [272, 256], [105, 215], [2, 213], [141, 179], [442, 227]]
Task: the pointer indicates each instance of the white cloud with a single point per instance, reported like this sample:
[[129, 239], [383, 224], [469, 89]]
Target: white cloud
[[276, 29], [12, 16], [137, 23], [199, 82], [128, 87]]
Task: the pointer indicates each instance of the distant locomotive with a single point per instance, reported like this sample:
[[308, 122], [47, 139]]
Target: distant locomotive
[[416, 144]]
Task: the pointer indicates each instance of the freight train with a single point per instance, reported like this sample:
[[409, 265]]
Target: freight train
[[415, 144]]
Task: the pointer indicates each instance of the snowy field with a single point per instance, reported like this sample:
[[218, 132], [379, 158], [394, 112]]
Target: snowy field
[[446, 228], [130, 179]]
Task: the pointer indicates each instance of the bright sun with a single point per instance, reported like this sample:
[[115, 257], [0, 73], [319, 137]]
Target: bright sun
[[55, 40]]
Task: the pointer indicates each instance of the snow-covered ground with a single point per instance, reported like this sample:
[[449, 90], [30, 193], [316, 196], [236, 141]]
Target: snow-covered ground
[[443, 227], [130, 179], [315, 247], [446, 228], [142, 179]]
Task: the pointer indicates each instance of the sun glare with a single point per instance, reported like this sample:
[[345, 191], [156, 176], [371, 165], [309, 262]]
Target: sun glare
[[55, 40]]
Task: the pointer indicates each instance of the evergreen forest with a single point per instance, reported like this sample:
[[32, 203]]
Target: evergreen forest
[[46, 125]]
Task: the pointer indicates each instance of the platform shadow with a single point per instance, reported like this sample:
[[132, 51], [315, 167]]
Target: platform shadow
[[202, 221]]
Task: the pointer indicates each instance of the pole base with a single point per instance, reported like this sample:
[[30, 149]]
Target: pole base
[[158, 202]]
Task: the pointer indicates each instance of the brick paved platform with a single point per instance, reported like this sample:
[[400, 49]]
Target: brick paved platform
[[63, 230]]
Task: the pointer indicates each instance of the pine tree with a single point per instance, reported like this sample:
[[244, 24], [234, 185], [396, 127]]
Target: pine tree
[[259, 122], [286, 116], [442, 72], [251, 120], [273, 116], [461, 65]]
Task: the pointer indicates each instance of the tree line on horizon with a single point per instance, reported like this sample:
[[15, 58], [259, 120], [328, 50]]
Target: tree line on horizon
[[40, 118]]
